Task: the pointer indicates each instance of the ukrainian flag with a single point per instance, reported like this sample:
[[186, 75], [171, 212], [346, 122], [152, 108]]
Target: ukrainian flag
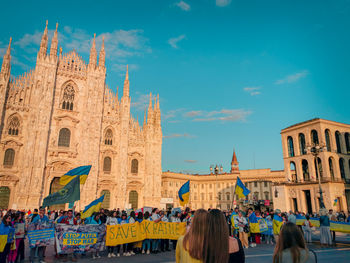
[[4, 231], [254, 223], [94, 206], [300, 220], [277, 224], [240, 189], [184, 193], [81, 171]]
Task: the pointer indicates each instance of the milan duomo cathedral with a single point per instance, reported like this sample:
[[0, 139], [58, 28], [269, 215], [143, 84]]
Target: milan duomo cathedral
[[61, 115]]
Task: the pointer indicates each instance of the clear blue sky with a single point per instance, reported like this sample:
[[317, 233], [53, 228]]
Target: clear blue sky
[[230, 74]]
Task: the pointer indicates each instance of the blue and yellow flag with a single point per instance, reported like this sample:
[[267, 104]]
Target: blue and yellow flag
[[94, 206], [4, 231], [277, 224], [184, 193], [81, 171], [240, 189]]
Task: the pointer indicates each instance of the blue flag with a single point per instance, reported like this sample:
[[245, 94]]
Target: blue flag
[[82, 172], [184, 193], [240, 189]]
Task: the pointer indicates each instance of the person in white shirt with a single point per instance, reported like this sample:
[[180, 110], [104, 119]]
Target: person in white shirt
[[164, 243], [112, 220], [156, 218]]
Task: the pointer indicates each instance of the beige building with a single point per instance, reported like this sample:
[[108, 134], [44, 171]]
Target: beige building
[[300, 191], [217, 191], [61, 115]]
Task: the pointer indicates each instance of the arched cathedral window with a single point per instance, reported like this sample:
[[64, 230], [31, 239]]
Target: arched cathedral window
[[109, 137], [9, 157], [134, 166], [64, 137], [68, 98], [13, 126]]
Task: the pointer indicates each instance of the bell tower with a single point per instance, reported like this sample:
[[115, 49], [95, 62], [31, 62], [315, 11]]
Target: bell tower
[[234, 163]]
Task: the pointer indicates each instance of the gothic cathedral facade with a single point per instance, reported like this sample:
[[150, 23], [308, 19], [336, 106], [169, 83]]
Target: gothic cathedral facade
[[61, 115]]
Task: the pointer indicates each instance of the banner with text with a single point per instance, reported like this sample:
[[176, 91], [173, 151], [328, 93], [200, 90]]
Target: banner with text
[[334, 225], [80, 238], [129, 233], [41, 234]]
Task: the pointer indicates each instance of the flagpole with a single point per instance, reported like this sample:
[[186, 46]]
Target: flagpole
[[234, 193]]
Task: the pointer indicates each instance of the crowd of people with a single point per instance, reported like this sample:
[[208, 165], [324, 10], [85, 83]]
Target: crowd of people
[[212, 236]]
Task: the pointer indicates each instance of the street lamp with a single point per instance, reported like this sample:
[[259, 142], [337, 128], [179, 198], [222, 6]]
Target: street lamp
[[217, 170], [315, 149]]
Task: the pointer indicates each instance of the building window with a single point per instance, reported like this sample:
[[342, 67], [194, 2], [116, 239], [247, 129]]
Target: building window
[[202, 186], [293, 172], [195, 196], [68, 98], [210, 196], [341, 166], [290, 146], [13, 126], [305, 167], [319, 167], [202, 196], [107, 164], [109, 137], [265, 184], [165, 193], [347, 142], [337, 140], [256, 195], [314, 137], [170, 184], [331, 168], [107, 199], [228, 196], [266, 194], [64, 138], [227, 206], [328, 140], [134, 166], [219, 196], [302, 143], [255, 184], [9, 157], [195, 185], [210, 186]]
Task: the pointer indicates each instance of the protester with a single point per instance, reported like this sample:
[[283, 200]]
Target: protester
[[291, 217], [155, 218], [112, 221], [243, 229], [6, 230], [190, 247], [124, 220], [18, 251], [269, 232], [40, 218], [307, 229], [146, 244], [291, 247], [219, 246], [325, 233]]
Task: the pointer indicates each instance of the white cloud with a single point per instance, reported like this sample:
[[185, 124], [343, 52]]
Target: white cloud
[[174, 41], [293, 77], [253, 91], [178, 135], [141, 102], [190, 161], [222, 3], [193, 113], [183, 5], [172, 114], [224, 115]]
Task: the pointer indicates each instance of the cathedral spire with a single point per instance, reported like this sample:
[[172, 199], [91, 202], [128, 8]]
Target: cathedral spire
[[102, 57], [6, 62], [126, 83], [93, 53], [54, 44], [43, 43]]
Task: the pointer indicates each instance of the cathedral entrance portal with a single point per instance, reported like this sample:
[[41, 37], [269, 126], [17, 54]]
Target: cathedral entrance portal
[[54, 187], [4, 197], [133, 199]]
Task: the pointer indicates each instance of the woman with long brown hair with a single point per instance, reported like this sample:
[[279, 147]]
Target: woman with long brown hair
[[219, 247], [291, 247], [189, 248]]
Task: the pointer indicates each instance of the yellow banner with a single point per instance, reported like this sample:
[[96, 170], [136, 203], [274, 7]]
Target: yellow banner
[[129, 233]]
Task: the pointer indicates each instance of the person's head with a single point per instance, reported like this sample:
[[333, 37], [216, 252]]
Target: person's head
[[35, 211], [236, 209], [97, 217], [330, 211], [124, 216], [278, 212], [42, 211], [216, 238], [140, 215], [194, 239], [240, 214], [7, 219], [307, 217], [70, 214], [146, 215], [78, 216], [155, 211], [250, 211], [113, 214], [290, 238], [132, 214]]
